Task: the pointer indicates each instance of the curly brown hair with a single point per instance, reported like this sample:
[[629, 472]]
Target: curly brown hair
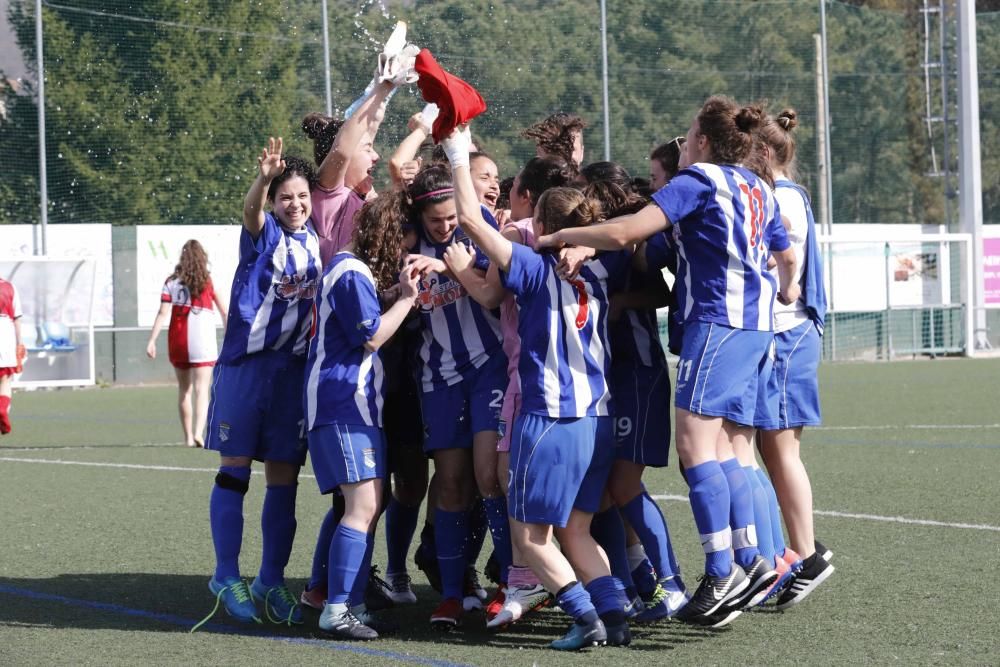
[[378, 237], [192, 269], [614, 199], [554, 135], [322, 129], [729, 128]]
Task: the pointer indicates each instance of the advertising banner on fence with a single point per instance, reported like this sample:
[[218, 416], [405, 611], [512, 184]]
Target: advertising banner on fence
[[991, 271]]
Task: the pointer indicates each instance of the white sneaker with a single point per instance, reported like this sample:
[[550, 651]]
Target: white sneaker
[[519, 602]]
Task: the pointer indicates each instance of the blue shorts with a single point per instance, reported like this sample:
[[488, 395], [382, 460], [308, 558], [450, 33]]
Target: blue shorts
[[346, 453], [719, 370], [256, 409], [453, 414], [642, 414], [789, 394], [558, 465]]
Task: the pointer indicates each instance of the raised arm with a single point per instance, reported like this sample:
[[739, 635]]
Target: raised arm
[[470, 215], [269, 165], [366, 120], [406, 154], [614, 234]]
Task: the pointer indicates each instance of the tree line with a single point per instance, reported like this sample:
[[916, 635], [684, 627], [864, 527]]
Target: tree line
[[156, 110]]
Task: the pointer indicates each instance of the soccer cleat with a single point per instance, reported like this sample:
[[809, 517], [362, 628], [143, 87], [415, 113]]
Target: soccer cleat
[[805, 582], [618, 635], [633, 607], [712, 593], [492, 569], [314, 598], [720, 619], [383, 626], [234, 594], [761, 575], [474, 593], [785, 573], [344, 625], [378, 592], [496, 604], [279, 604], [664, 602], [517, 603], [793, 559], [448, 615], [402, 592], [427, 562], [582, 636], [823, 552]]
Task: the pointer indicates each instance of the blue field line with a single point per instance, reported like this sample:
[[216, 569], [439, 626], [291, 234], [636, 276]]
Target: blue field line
[[187, 623]]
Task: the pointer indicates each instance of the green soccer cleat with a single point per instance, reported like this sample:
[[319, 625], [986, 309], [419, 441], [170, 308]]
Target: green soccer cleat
[[233, 593], [280, 605]]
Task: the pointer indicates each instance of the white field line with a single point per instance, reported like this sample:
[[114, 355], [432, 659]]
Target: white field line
[[893, 427], [670, 497], [128, 466]]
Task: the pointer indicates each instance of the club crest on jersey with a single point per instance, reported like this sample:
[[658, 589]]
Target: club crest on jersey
[[436, 292], [369, 458], [294, 287]]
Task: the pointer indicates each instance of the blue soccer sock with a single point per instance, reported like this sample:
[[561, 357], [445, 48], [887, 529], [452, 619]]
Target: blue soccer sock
[[496, 516], [741, 513], [608, 531], [575, 601], [643, 572], [777, 536], [604, 595], [709, 495], [649, 524], [347, 554], [225, 513], [277, 526], [361, 581], [478, 526], [400, 525], [761, 515], [451, 530], [321, 555]]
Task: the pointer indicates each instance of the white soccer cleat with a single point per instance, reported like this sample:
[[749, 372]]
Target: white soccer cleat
[[519, 602]]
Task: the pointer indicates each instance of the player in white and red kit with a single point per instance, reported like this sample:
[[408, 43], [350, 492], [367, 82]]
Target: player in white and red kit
[[188, 298], [12, 351]]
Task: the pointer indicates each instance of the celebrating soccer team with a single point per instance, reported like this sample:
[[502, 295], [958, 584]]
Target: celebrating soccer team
[[507, 331]]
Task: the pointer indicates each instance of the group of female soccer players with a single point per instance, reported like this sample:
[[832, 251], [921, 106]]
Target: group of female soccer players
[[510, 335]]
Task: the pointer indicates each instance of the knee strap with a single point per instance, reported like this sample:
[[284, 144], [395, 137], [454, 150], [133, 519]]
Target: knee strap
[[226, 481]]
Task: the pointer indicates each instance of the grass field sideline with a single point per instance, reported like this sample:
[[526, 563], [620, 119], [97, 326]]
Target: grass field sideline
[[105, 551]]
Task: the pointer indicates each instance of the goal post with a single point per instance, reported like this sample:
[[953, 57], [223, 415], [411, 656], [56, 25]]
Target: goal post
[[901, 296], [57, 324]]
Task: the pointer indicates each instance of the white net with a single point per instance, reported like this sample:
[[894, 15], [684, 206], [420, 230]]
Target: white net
[[899, 297], [57, 300]]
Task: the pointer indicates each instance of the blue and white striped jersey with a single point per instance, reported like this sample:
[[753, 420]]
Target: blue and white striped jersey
[[565, 358], [270, 306], [458, 334], [344, 380], [635, 335], [725, 224]]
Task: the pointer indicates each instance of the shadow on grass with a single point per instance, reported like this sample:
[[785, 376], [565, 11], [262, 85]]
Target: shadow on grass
[[175, 602]]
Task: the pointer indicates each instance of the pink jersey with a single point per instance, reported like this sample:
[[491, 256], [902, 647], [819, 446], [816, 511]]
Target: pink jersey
[[10, 310], [191, 338], [508, 309], [333, 216]]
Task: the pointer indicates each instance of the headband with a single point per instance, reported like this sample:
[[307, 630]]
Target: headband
[[432, 193]]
